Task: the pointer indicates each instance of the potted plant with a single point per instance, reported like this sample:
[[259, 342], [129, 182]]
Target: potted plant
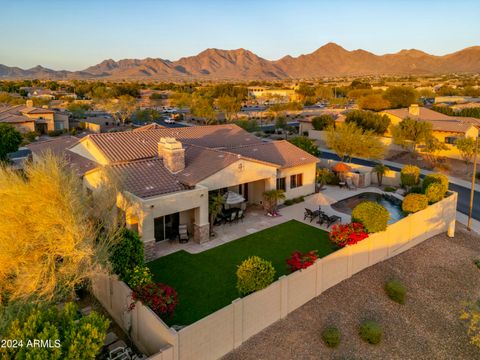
[[271, 198]]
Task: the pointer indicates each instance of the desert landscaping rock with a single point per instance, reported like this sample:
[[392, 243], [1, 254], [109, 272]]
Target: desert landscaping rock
[[439, 275]]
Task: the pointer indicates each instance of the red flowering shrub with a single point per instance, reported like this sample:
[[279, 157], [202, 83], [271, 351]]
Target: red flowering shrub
[[161, 298], [299, 261], [347, 234]]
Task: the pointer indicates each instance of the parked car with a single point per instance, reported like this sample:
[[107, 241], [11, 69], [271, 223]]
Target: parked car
[[169, 121]]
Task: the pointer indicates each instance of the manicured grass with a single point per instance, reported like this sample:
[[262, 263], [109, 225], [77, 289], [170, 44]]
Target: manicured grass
[[206, 282]]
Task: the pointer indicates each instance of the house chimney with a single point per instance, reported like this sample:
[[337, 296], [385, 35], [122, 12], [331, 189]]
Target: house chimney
[[414, 110], [29, 103], [173, 154]]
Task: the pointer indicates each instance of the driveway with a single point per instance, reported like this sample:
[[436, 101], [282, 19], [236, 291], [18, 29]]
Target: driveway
[[439, 276]]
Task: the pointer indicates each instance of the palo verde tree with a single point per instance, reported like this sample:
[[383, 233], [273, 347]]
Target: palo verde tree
[[305, 144], [409, 133], [53, 237], [466, 146], [349, 140]]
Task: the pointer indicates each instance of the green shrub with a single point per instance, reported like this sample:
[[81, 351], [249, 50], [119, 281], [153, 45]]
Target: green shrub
[[410, 175], [331, 336], [127, 253], [79, 337], [435, 178], [140, 275], [254, 274], [288, 202], [435, 192], [371, 331], [372, 215], [396, 291], [323, 122], [389, 189], [477, 263], [327, 176], [415, 190], [414, 202], [30, 136]]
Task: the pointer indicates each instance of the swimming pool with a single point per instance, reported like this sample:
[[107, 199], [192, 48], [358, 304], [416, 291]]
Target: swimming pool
[[390, 202]]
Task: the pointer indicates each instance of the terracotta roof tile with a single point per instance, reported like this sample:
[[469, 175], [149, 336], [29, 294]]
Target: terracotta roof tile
[[134, 145], [281, 153], [146, 178]]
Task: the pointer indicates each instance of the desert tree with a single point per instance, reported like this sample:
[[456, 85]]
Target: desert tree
[[409, 133], [53, 237], [349, 140]]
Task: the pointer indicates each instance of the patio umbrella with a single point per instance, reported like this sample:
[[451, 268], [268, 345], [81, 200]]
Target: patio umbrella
[[232, 198], [341, 167]]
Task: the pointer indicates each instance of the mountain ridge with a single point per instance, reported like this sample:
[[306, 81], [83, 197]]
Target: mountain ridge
[[241, 64]]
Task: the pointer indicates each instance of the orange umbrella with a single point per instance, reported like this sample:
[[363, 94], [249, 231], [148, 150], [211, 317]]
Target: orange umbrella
[[341, 167]]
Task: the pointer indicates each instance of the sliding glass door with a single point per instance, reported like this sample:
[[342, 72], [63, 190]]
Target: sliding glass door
[[166, 227]]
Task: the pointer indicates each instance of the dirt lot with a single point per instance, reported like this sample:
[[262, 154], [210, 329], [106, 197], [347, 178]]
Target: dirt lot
[[439, 275]]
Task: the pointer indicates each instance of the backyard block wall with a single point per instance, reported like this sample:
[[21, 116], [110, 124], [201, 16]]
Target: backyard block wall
[[220, 332]]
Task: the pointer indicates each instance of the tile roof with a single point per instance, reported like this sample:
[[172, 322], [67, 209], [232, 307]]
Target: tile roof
[[59, 147], [439, 121], [201, 163], [152, 126], [146, 178], [134, 145], [281, 153]]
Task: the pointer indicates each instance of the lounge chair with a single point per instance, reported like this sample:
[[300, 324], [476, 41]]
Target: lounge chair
[[309, 214], [240, 215], [182, 234], [328, 220], [350, 184]]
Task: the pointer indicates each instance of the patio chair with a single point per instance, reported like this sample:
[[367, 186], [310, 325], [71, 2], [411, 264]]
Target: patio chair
[[350, 184], [183, 234], [328, 220], [230, 219], [240, 215], [309, 214]]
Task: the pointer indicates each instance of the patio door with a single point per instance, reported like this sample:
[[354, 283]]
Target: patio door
[[166, 227], [243, 190]]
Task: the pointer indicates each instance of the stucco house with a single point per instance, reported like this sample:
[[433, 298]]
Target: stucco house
[[167, 173], [27, 118], [445, 128]]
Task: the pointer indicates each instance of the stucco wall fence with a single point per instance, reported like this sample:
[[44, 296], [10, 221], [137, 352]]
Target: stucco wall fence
[[226, 329]]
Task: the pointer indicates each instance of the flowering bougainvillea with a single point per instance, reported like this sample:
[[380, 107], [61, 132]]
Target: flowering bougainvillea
[[347, 234], [299, 261], [161, 298]]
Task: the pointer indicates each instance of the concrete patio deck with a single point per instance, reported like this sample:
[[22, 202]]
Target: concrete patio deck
[[256, 220]]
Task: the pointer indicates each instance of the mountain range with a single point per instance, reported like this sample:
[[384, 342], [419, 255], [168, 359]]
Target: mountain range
[[240, 64]]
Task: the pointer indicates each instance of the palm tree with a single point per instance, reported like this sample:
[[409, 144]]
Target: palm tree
[[215, 205], [322, 177], [381, 170], [271, 199]]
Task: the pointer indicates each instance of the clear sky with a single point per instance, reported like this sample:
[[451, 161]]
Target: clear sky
[[74, 34]]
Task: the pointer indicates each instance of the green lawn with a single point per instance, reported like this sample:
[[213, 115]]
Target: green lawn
[[206, 282]]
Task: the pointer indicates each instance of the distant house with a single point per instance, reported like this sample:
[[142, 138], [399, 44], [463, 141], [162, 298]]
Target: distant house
[[98, 124], [445, 128], [271, 95], [168, 173], [27, 118], [455, 99]]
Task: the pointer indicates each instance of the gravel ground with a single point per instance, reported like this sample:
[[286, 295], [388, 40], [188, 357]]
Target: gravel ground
[[439, 275]]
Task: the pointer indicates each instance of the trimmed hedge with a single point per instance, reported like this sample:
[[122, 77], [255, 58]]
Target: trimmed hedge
[[396, 291], [435, 178], [331, 336], [371, 331], [410, 175], [372, 215], [254, 274], [435, 192], [414, 202]]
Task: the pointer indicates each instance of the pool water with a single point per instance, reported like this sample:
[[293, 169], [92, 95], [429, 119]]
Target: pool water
[[390, 202]]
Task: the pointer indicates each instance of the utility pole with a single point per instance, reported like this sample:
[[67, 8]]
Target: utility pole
[[472, 191]]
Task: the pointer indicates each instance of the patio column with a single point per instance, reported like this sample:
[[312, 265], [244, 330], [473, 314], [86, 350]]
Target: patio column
[[270, 183], [201, 226], [146, 229]]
